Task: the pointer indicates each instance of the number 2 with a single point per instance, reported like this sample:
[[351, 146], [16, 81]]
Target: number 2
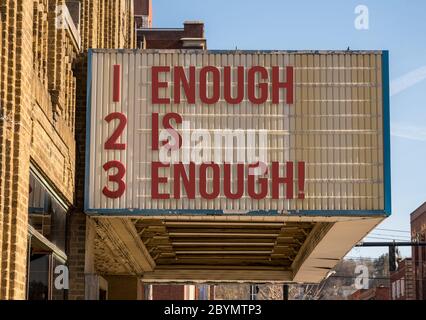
[[111, 143]]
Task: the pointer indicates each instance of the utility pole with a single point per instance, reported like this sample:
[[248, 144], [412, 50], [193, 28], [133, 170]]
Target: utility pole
[[285, 291], [392, 249], [254, 290]]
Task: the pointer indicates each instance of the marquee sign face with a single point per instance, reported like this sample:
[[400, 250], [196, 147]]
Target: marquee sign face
[[230, 132]]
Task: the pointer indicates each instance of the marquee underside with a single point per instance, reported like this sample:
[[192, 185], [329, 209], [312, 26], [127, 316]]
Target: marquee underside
[[224, 248]]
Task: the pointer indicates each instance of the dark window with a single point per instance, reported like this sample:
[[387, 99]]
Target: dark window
[[58, 225], [38, 284], [102, 294], [203, 292], [46, 214], [58, 293], [48, 218], [423, 249]]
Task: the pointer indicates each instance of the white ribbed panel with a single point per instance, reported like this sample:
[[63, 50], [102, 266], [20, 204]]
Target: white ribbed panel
[[335, 125]]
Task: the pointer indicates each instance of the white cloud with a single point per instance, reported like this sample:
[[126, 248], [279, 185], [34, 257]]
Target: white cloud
[[408, 80], [408, 132]]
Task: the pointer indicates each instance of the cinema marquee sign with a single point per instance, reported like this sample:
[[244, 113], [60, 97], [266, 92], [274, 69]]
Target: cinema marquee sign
[[201, 132]]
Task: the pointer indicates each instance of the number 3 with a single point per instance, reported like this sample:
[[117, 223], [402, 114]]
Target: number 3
[[117, 178]]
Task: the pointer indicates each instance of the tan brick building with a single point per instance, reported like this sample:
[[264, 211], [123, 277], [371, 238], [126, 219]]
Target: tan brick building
[[42, 66]]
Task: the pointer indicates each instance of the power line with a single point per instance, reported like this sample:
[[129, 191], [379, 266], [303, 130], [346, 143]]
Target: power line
[[389, 235], [355, 277], [384, 238], [393, 230], [389, 238], [375, 278], [391, 244], [359, 258]]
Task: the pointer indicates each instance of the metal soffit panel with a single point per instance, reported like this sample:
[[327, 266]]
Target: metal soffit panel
[[223, 245]]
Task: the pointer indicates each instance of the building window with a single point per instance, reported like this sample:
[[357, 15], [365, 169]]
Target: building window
[[203, 292], [398, 288], [38, 282], [189, 292], [46, 214], [402, 287], [423, 249], [47, 219], [393, 290], [142, 21]]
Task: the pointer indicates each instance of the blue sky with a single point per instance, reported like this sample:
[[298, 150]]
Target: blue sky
[[396, 25]]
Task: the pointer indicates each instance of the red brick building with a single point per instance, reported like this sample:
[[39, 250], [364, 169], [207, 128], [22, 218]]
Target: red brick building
[[418, 233], [143, 13], [177, 292], [402, 281], [379, 293], [191, 36]]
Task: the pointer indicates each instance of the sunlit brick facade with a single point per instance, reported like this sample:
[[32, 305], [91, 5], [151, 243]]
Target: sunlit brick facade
[[42, 71]]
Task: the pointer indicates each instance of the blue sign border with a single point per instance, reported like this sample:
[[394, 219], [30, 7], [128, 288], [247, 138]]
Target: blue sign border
[[329, 213]]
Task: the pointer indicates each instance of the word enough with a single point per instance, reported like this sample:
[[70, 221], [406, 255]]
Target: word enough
[[256, 84], [211, 181]]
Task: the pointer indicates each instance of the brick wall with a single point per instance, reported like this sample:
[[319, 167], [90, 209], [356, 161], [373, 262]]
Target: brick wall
[[105, 30], [77, 221], [123, 288], [404, 275], [168, 292], [15, 128], [40, 70], [107, 24]]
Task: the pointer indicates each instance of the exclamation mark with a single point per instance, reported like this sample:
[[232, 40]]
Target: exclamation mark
[[116, 84], [301, 180]]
